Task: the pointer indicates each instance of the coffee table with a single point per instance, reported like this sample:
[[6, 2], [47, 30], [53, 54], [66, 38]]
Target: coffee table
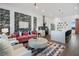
[[38, 43]]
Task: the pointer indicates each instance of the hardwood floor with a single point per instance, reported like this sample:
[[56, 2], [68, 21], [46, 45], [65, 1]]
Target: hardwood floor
[[72, 47]]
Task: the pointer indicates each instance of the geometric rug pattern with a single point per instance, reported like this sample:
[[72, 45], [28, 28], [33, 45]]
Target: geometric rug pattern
[[53, 49]]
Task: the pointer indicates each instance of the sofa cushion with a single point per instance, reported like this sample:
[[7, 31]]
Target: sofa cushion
[[26, 33], [16, 34], [34, 33], [23, 38]]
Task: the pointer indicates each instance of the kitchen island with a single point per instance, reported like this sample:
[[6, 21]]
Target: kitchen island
[[61, 36]]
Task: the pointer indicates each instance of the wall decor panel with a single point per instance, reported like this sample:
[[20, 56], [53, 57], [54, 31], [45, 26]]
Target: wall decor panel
[[52, 26], [20, 19], [4, 19]]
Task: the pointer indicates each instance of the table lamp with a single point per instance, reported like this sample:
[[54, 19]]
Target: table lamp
[[4, 31]]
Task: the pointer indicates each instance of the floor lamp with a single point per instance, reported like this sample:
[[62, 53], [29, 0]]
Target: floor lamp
[[4, 32]]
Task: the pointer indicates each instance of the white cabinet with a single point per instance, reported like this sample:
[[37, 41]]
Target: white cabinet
[[58, 36]]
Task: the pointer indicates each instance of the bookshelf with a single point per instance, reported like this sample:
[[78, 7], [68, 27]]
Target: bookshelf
[[4, 19]]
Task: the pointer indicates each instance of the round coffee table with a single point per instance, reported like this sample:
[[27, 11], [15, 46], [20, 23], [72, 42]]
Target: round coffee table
[[38, 43]]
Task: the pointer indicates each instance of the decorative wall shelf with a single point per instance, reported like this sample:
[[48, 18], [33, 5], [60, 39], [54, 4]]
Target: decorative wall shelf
[[19, 17], [4, 19]]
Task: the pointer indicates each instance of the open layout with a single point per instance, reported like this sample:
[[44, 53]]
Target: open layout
[[39, 29]]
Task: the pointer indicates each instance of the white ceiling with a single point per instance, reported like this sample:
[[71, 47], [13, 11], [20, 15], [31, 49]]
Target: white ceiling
[[51, 9]]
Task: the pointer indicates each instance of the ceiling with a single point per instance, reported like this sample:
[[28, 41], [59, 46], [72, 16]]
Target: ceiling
[[49, 9]]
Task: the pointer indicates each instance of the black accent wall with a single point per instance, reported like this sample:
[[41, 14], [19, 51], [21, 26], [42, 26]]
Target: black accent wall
[[4, 19], [24, 18]]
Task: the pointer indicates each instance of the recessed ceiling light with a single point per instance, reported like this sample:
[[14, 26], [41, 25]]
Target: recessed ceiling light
[[36, 7], [76, 8], [43, 10]]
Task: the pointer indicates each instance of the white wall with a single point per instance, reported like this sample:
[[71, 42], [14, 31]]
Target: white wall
[[48, 22], [55, 21], [69, 19], [14, 8]]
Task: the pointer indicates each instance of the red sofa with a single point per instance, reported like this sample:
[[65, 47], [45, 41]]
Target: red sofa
[[25, 37], [14, 35], [34, 34]]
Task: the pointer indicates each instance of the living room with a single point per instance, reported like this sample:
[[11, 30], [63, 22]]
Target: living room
[[38, 29]]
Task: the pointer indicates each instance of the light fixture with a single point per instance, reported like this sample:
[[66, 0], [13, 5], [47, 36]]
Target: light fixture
[[35, 5], [4, 33], [4, 30], [43, 10], [60, 13], [75, 7]]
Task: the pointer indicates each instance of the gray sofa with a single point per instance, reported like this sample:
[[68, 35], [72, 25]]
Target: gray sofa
[[17, 50]]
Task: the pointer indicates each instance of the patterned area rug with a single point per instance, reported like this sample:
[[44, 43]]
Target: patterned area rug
[[53, 49]]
